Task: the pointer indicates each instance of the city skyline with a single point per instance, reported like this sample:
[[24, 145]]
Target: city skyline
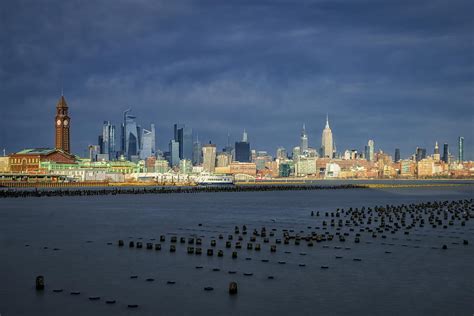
[[379, 72], [152, 146]]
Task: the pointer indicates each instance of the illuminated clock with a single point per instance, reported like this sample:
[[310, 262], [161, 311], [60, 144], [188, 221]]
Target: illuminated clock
[[58, 122], [66, 122]]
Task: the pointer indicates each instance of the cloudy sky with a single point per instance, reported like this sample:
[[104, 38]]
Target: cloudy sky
[[399, 72]]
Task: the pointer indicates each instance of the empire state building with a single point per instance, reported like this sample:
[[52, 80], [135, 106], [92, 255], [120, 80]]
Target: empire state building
[[326, 141]]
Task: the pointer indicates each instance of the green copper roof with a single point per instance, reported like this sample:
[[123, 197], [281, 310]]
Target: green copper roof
[[36, 151]]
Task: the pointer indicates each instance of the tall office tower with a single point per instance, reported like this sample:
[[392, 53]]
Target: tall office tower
[[460, 149], [173, 153], [397, 154], [436, 155], [130, 136], [229, 148], [197, 152], [369, 150], [242, 149], [245, 137], [62, 123], [281, 153], [420, 153], [209, 157], [184, 136], [148, 144], [446, 153], [327, 141], [107, 146], [304, 140]]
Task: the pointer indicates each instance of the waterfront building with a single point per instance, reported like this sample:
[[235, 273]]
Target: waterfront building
[[185, 166], [304, 140], [425, 168], [436, 155], [209, 157], [242, 149], [305, 166], [4, 164], [327, 141], [407, 168], [173, 153], [162, 166], [150, 164], [332, 170], [397, 154], [197, 152], [284, 169], [446, 153], [460, 149], [29, 160], [247, 168], [63, 125], [148, 143]]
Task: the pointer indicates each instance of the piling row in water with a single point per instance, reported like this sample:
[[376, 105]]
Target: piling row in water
[[14, 193]]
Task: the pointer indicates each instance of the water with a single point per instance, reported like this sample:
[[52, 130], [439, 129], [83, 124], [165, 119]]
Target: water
[[408, 281]]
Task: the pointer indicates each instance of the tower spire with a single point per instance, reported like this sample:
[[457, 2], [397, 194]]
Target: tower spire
[[327, 120]]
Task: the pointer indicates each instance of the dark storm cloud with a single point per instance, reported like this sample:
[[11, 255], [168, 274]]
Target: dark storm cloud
[[399, 72]]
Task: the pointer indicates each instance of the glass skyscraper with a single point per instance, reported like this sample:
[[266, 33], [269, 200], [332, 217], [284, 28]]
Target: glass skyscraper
[[446, 153], [130, 135], [460, 149], [107, 141], [397, 154], [242, 149], [184, 136]]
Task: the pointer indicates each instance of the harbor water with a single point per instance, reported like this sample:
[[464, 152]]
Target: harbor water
[[72, 242]]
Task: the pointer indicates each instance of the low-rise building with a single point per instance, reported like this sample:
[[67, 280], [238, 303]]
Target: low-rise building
[[29, 160]]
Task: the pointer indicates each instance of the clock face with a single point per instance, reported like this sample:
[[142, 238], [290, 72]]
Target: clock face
[[58, 122], [66, 123]]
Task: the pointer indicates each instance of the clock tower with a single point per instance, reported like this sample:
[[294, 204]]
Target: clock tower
[[62, 123]]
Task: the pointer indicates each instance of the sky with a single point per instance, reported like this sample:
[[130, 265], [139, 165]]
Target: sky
[[398, 72]]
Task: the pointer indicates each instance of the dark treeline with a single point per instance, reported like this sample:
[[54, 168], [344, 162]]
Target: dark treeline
[[15, 193]]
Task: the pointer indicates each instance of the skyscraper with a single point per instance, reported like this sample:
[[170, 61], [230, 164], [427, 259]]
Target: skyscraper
[[445, 153], [209, 157], [397, 154], [327, 141], [460, 149], [130, 136], [148, 144], [184, 136], [304, 140], [107, 143], [173, 153], [369, 153], [242, 149], [197, 152], [62, 123], [420, 153], [436, 155]]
